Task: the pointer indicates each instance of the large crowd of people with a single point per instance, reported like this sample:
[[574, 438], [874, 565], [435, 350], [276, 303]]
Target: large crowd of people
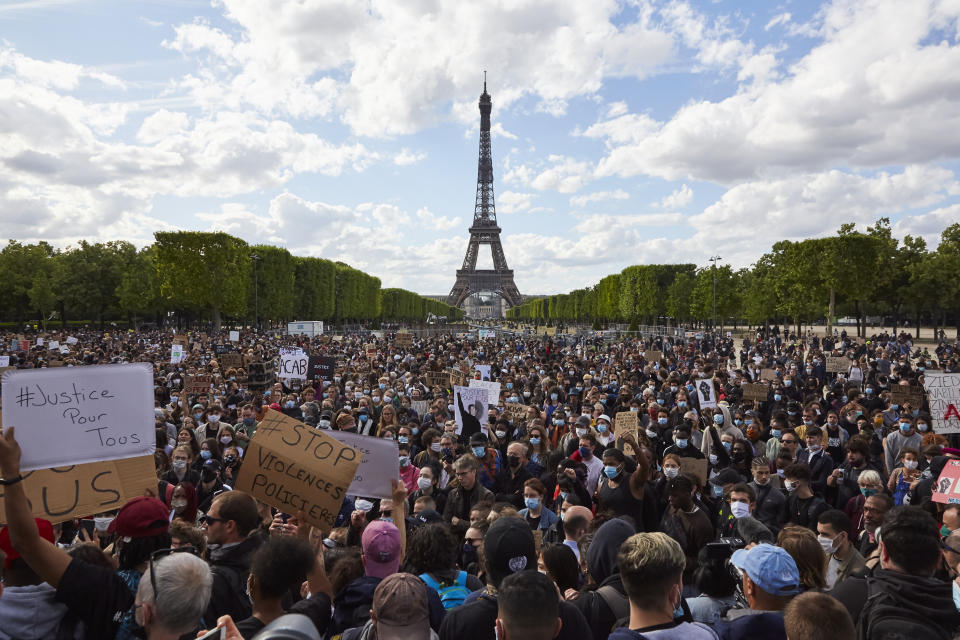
[[805, 513]]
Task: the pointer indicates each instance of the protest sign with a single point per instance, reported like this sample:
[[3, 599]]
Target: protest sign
[[768, 374], [379, 463], [371, 350], [902, 394], [197, 384], [4, 361], [55, 363], [493, 389], [231, 361], [68, 416], [943, 395], [404, 339], [422, 407], [484, 370], [39, 342], [706, 393], [696, 466], [293, 366], [53, 345], [626, 422], [755, 391], [947, 488], [71, 340], [836, 364], [320, 368], [176, 354], [457, 377], [234, 336], [81, 490], [181, 340], [487, 333], [653, 356], [515, 411], [471, 401], [294, 467]]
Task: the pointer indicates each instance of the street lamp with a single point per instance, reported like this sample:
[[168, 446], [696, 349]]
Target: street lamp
[[714, 259], [256, 289]]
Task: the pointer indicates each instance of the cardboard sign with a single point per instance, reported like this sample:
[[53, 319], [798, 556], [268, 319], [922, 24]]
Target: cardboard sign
[[380, 463], [437, 379], [755, 391], [293, 467], [293, 367], [515, 411], [181, 340], [177, 354], [321, 368], [943, 395], [626, 422], [902, 394], [197, 384], [707, 393], [371, 350], [82, 490], [653, 356], [947, 489], [221, 349], [71, 340], [493, 389], [67, 416], [696, 466], [457, 377], [231, 361], [768, 374], [836, 364], [472, 400], [234, 336], [403, 339]]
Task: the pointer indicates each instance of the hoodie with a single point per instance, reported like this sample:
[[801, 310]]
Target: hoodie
[[31, 612], [602, 563]]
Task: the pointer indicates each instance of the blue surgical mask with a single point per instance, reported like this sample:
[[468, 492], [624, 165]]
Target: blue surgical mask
[[610, 471], [716, 490], [601, 427], [905, 427], [289, 404], [894, 407], [788, 383], [775, 433], [553, 397], [737, 421], [662, 420], [532, 503], [922, 426], [682, 404], [727, 445], [748, 422], [718, 418], [682, 442], [479, 451], [867, 492], [534, 441], [205, 454], [869, 390], [777, 397], [509, 385], [249, 421], [564, 495], [403, 440]]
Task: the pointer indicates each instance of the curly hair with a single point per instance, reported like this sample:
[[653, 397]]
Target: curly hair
[[432, 548]]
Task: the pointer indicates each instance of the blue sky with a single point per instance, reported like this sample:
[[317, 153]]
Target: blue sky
[[624, 132]]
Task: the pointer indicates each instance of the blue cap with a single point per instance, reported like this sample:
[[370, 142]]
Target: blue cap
[[770, 568]]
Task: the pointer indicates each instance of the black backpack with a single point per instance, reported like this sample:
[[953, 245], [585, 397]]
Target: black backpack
[[887, 616]]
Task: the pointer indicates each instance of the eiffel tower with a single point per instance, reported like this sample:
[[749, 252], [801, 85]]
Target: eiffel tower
[[484, 230]]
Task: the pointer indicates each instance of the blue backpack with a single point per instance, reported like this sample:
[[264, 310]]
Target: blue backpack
[[451, 595]]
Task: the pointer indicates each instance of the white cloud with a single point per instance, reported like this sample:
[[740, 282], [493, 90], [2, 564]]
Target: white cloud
[[678, 199], [401, 65], [513, 201], [429, 220], [781, 18], [566, 175], [879, 90], [407, 157], [598, 196]]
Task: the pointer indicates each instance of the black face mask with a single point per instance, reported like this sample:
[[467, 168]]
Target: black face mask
[[208, 476], [514, 461], [468, 555]]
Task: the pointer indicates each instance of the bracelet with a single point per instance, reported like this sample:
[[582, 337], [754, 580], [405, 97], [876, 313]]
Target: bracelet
[[6, 483]]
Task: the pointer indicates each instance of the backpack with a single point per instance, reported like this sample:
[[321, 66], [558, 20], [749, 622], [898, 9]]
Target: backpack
[[239, 604], [451, 595], [885, 615]]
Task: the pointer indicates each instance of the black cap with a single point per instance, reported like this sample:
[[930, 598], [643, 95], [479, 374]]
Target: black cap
[[478, 438], [509, 548], [727, 476]]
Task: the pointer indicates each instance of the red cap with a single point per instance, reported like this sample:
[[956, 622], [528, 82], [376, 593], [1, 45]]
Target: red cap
[[141, 517], [275, 406], [43, 526]]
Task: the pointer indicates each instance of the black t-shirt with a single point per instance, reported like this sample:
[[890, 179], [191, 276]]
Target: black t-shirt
[[316, 607], [476, 621], [97, 595]]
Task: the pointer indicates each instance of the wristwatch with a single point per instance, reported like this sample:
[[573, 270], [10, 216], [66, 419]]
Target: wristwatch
[[6, 483]]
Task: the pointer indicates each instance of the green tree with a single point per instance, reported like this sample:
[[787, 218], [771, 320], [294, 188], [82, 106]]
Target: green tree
[[139, 290], [272, 290]]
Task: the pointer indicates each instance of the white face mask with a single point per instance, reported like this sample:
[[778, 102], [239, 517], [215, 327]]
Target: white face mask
[[424, 483], [101, 524], [671, 472], [827, 544], [740, 509], [910, 464], [178, 504]]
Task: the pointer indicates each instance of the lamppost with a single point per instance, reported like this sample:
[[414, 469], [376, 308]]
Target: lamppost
[[256, 289], [714, 259]]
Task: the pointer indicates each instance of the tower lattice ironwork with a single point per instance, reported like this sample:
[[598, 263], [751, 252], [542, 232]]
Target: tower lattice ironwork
[[484, 230]]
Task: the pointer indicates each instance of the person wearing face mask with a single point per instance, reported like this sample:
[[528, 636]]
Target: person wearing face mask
[[210, 485], [869, 484], [211, 427], [817, 459], [722, 424], [802, 507], [905, 437], [682, 446], [408, 471], [587, 454], [183, 503], [604, 433], [510, 482], [904, 475], [625, 493], [180, 470], [833, 534], [427, 487], [534, 512], [247, 426]]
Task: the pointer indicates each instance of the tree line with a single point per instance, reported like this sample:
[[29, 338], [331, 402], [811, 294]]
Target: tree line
[[198, 276], [852, 273]]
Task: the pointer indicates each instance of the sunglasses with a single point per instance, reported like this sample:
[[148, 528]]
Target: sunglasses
[[211, 520], [158, 555]]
